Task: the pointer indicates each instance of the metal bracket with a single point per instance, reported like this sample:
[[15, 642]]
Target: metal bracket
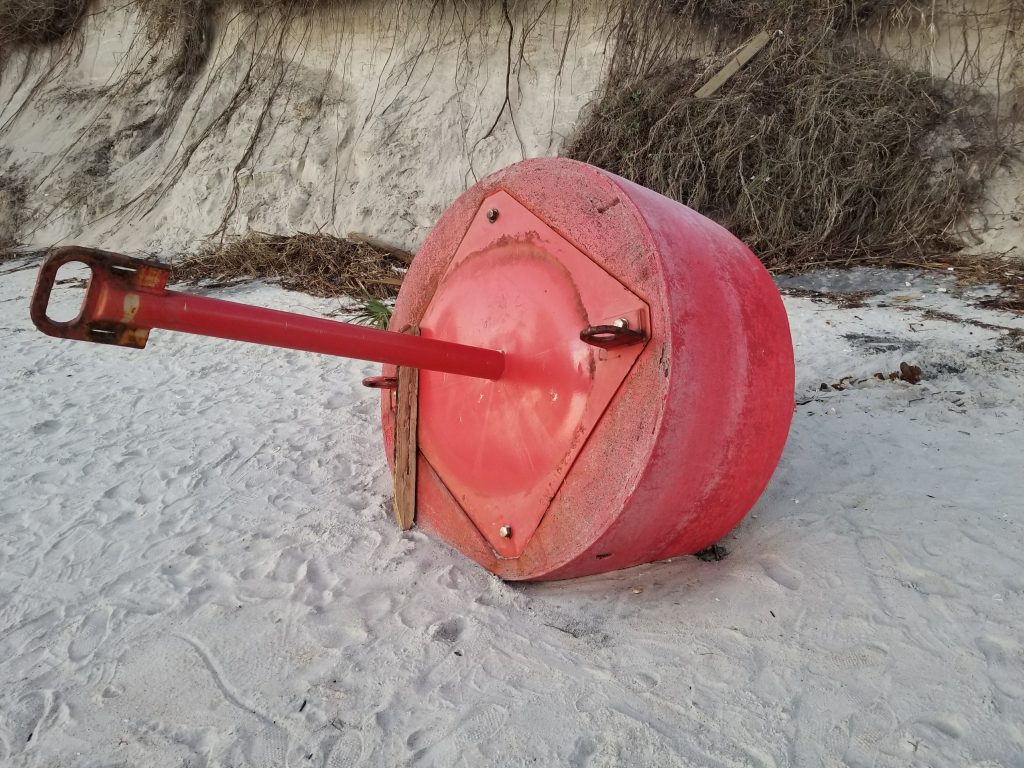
[[381, 382], [110, 273], [609, 336]]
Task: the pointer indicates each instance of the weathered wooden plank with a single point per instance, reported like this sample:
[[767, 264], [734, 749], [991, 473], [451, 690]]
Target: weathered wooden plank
[[396, 281], [736, 63], [406, 443], [380, 245]]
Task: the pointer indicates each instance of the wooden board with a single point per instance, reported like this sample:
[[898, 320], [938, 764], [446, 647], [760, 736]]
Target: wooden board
[[380, 245], [406, 443], [736, 63]]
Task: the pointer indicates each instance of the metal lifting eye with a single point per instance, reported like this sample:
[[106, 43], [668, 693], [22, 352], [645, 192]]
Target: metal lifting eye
[[381, 382], [608, 336]]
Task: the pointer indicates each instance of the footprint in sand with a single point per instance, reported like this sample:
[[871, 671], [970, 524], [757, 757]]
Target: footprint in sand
[[26, 720], [890, 568], [949, 724], [781, 573], [641, 681], [448, 631], [1002, 658], [871, 656], [91, 634], [47, 427], [291, 566]]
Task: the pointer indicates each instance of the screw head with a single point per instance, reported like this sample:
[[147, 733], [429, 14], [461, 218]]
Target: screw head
[[621, 323], [492, 215], [505, 531]]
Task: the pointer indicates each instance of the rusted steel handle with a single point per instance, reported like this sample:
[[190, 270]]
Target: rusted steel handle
[[111, 273], [127, 297]]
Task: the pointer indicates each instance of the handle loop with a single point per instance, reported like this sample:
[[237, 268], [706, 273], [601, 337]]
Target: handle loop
[[108, 271]]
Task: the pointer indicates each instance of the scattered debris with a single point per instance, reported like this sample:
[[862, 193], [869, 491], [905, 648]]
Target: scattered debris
[[844, 300], [1004, 303], [880, 344], [712, 554], [907, 372], [1015, 336], [316, 263], [380, 245]]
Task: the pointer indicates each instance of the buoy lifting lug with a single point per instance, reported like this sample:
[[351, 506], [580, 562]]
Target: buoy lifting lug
[[381, 382], [608, 336]]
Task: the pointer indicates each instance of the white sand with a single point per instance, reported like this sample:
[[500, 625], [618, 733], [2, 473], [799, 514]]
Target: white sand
[[197, 568], [196, 562]]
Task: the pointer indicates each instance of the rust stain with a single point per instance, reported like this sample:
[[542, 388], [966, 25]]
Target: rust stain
[[131, 307], [152, 278]]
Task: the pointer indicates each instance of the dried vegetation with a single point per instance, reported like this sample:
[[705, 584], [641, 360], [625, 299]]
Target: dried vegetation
[[13, 196], [821, 152], [315, 263], [29, 23]]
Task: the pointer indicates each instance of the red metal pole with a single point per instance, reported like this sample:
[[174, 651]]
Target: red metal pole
[[229, 320], [126, 298]]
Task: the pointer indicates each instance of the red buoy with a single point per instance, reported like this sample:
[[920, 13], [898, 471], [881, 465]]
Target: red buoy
[[605, 376], [648, 382]]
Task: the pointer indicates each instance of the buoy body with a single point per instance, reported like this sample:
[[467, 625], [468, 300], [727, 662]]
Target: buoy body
[[582, 459]]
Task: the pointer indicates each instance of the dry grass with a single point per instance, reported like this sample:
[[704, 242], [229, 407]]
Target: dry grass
[[972, 270], [176, 33], [13, 198], [825, 159], [820, 153], [315, 263], [733, 18], [182, 30], [32, 23]]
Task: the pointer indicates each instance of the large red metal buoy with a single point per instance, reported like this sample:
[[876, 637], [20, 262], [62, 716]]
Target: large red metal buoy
[[584, 458], [605, 376]]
